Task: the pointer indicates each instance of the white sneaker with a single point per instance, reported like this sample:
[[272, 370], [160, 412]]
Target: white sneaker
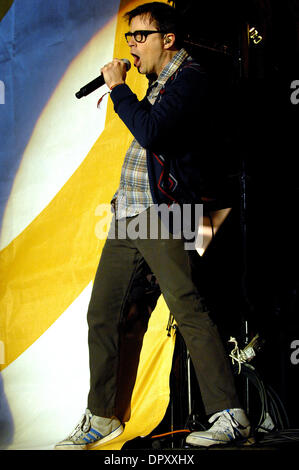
[[229, 425], [91, 429]]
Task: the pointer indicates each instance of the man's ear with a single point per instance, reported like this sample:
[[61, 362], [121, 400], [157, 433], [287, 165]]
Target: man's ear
[[169, 40]]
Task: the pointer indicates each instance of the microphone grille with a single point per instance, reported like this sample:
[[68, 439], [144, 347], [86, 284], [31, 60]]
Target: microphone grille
[[128, 63]]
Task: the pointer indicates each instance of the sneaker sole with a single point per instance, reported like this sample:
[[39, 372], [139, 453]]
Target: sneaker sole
[[207, 441], [105, 439], [204, 441]]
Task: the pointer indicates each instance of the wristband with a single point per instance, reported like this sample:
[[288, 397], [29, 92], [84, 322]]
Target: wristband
[[113, 86]]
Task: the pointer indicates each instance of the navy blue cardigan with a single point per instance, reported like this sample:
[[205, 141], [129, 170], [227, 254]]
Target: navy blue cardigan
[[174, 131]]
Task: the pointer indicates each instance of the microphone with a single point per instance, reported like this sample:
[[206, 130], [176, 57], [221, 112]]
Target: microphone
[[96, 83]]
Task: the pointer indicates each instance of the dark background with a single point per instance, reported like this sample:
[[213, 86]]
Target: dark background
[[251, 269]]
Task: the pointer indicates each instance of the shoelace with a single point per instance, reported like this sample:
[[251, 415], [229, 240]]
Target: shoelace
[[224, 421], [84, 424]]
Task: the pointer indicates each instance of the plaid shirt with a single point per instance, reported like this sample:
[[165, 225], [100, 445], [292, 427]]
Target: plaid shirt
[[134, 195]]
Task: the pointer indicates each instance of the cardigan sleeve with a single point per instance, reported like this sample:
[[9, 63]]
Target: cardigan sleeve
[[150, 123]]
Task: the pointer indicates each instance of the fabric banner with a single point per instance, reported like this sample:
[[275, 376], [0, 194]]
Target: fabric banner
[[60, 162]]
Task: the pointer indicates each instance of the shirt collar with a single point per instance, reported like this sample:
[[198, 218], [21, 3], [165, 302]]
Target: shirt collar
[[172, 66], [168, 70]]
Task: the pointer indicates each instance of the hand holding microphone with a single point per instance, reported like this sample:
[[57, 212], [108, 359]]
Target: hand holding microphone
[[112, 74], [115, 72]]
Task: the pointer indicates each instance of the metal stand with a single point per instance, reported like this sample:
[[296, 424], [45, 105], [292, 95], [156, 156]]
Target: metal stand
[[243, 66]]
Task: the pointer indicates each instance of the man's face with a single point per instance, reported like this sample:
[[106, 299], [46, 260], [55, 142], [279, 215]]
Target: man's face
[[149, 56]]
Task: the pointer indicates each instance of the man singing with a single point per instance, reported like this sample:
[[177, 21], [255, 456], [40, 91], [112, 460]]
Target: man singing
[[162, 166]]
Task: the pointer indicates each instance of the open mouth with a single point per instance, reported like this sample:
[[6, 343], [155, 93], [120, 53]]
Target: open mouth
[[136, 60]]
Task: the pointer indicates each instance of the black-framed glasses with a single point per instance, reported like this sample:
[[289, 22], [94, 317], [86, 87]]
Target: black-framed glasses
[[141, 34]]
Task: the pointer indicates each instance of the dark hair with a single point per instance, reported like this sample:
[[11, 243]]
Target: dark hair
[[166, 18]]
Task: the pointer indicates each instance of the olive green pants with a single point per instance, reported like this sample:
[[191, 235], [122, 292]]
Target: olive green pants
[[119, 265]]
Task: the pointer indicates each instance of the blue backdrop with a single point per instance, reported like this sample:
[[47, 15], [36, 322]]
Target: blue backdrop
[[38, 40]]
